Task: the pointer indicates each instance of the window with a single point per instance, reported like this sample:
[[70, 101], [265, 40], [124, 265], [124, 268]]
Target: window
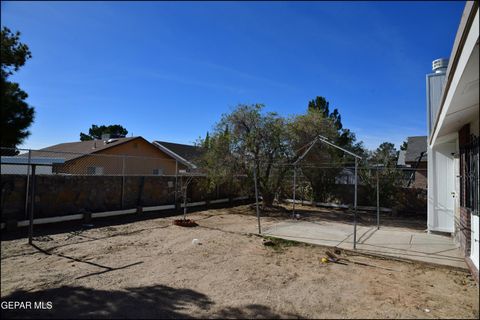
[[157, 172], [95, 170]]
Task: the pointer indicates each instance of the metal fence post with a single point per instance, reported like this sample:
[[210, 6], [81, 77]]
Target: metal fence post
[[176, 181], [123, 182], [355, 208], [27, 190], [294, 188], [378, 202], [32, 207], [185, 201], [256, 195]]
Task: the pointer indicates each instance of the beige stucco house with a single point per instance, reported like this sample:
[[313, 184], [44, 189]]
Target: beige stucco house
[[119, 156]]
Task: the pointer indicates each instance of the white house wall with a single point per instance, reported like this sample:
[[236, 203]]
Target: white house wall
[[441, 205]]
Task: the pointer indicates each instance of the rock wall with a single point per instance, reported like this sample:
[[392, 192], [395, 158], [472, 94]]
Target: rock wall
[[58, 195]]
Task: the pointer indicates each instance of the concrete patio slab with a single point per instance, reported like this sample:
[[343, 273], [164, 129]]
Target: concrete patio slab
[[387, 241]]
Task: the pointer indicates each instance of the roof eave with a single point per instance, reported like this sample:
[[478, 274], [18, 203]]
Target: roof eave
[[174, 155], [468, 15]]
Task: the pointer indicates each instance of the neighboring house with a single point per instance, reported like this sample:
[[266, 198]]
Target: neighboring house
[[416, 160], [119, 156], [453, 147], [184, 154]]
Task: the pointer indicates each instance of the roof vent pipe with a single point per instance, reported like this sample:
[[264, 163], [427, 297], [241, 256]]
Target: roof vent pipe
[[440, 65]]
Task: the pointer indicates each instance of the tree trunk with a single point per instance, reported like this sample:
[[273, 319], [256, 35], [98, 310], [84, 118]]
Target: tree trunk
[[268, 198]]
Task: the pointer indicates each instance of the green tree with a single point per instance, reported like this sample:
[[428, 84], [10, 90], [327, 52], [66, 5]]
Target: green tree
[[217, 161], [385, 154], [249, 138], [96, 132], [383, 160], [16, 114], [206, 142], [343, 137], [404, 146], [324, 163], [246, 139], [321, 105]]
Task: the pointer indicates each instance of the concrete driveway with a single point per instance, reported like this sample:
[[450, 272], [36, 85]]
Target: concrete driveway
[[387, 241]]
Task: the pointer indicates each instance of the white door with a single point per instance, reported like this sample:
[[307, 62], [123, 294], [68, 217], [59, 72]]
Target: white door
[[474, 240], [444, 188]]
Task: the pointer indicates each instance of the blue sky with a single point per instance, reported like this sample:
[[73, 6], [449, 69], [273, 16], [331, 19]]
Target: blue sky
[[169, 70]]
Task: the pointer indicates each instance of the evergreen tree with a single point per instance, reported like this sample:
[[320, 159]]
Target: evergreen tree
[[16, 114]]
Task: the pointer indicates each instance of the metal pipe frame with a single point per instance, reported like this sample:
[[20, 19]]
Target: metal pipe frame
[[294, 188], [325, 140], [32, 208], [355, 208], [378, 203], [256, 196], [27, 191]]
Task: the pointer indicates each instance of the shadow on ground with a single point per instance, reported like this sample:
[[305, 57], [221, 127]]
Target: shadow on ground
[[319, 214], [78, 225], [157, 301], [277, 212]]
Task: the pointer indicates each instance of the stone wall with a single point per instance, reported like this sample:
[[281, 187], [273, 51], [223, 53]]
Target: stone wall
[[13, 197], [58, 195]]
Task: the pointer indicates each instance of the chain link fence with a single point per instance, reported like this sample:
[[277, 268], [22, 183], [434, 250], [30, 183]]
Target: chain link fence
[[58, 184], [330, 184], [15, 161]]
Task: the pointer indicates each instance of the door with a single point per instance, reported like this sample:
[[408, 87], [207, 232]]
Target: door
[[475, 239], [444, 187]]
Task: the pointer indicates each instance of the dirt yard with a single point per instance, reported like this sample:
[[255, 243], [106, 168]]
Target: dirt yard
[[151, 269]]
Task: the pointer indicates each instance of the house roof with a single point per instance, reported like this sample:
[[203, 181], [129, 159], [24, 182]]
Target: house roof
[[415, 147], [184, 153], [73, 150]]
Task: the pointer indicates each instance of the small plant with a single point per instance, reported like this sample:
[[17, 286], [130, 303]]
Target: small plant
[[278, 244]]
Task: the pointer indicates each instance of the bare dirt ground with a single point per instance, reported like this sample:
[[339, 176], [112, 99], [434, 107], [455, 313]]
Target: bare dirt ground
[[151, 269]]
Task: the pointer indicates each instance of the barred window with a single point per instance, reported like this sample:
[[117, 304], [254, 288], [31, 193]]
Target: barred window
[[469, 175]]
